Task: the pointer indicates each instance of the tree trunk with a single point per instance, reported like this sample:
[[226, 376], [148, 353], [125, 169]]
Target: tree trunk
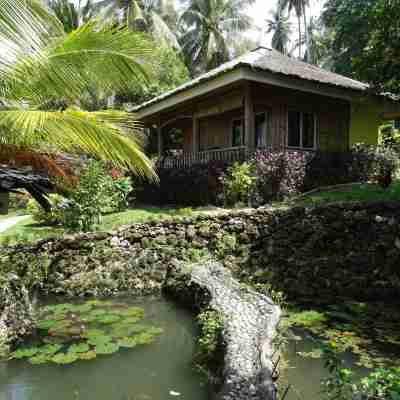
[[299, 22], [306, 36]]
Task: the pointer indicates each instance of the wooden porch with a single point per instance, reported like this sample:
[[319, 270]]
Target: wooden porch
[[186, 160]]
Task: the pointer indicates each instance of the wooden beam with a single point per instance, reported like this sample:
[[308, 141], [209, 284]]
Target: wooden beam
[[249, 122], [195, 135], [159, 140]]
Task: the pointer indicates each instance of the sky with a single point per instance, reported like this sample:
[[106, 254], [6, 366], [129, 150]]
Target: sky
[[260, 11]]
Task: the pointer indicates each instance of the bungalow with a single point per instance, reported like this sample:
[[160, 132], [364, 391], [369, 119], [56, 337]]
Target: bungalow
[[264, 100]]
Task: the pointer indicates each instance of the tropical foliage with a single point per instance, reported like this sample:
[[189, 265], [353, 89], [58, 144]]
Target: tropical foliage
[[72, 16], [206, 25], [364, 42], [45, 71], [156, 17], [280, 26]]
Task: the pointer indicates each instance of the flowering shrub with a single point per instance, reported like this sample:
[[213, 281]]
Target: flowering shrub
[[279, 174], [238, 183]]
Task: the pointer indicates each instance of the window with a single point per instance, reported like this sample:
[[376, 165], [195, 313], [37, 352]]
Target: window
[[262, 130], [237, 133], [301, 130]]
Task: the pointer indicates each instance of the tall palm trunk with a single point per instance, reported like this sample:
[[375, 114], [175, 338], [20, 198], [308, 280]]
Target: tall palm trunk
[[299, 23], [306, 35]]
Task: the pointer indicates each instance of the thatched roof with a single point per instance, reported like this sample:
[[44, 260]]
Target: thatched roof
[[268, 60]]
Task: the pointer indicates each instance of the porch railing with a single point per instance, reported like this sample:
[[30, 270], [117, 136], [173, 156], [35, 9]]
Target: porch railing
[[185, 160]]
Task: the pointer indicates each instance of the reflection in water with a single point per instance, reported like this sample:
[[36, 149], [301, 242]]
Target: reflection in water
[[154, 372]]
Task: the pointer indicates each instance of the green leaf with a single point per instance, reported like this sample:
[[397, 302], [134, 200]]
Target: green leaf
[[67, 358], [106, 348]]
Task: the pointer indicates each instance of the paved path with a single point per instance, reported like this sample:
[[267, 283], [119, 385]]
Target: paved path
[[9, 222]]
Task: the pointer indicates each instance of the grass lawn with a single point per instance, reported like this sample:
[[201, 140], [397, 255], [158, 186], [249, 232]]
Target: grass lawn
[[4, 217], [28, 230], [362, 192]]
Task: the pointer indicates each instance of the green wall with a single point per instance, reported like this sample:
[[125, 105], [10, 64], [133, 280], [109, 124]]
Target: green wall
[[364, 123]]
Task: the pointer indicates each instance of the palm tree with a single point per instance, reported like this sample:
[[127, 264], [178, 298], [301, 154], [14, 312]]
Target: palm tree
[[156, 17], [299, 6], [70, 15], [206, 25], [316, 51], [44, 72], [281, 27]]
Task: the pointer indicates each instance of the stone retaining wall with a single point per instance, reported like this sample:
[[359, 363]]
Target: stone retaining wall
[[332, 250]]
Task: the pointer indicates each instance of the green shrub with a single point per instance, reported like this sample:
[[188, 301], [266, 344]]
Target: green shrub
[[238, 184], [373, 163], [89, 199], [211, 326], [43, 217], [381, 384]]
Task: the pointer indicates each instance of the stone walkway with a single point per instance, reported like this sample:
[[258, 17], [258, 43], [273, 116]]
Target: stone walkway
[[9, 222], [250, 323]]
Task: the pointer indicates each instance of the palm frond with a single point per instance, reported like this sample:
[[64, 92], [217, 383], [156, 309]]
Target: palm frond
[[108, 135], [109, 58], [24, 26], [162, 32]]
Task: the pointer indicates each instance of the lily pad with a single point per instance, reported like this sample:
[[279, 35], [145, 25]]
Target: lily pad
[[99, 340], [65, 358], [107, 348], [40, 359], [92, 333], [25, 352], [79, 348], [50, 349], [89, 355], [108, 319], [128, 342], [132, 312]]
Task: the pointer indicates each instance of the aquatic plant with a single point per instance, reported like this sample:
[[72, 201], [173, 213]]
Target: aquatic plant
[[70, 332]]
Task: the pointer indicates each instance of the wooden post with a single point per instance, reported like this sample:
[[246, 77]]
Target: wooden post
[[249, 123], [159, 140], [194, 135]]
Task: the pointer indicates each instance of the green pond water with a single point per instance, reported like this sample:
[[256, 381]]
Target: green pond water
[[155, 367], [304, 371], [160, 370]]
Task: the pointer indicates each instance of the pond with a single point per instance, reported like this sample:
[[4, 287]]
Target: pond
[[305, 368], [160, 370]]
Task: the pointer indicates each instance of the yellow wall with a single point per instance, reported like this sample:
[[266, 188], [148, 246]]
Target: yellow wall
[[365, 123]]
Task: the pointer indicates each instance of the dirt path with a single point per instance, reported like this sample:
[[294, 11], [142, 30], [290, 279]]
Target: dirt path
[[9, 222]]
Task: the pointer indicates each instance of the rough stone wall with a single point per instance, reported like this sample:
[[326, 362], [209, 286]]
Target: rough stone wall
[[331, 250]]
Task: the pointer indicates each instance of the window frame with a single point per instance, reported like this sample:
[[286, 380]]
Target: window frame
[[242, 139], [301, 147], [268, 120]]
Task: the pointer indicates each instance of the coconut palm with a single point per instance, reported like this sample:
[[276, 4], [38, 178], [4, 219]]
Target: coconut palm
[[206, 25], [156, 17], [43, 73], [71, 16], [299, 7], [280, 26]]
